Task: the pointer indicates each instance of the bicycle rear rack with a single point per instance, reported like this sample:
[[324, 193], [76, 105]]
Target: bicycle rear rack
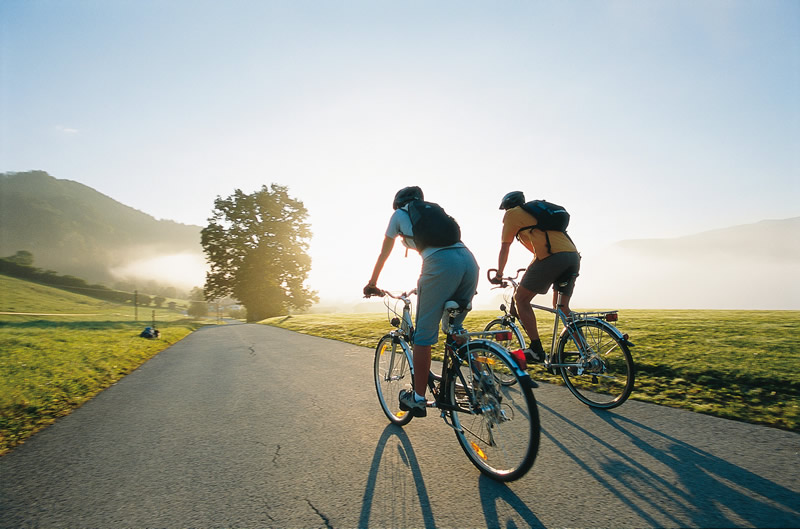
[[607, 315]]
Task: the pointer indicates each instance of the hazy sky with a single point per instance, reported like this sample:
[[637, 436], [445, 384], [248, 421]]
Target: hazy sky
[[647, 119]]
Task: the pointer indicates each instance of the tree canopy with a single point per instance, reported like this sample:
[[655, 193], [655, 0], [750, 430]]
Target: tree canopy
[[256, 247]]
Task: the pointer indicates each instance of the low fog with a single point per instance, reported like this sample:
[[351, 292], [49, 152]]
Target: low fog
[[184, 271], [746, 267]]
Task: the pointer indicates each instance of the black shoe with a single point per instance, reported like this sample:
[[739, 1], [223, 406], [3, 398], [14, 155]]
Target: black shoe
[[409, 402], [533, 357]]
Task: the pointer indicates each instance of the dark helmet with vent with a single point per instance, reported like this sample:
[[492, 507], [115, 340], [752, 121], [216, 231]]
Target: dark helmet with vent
[[512, 200], [406, 195]]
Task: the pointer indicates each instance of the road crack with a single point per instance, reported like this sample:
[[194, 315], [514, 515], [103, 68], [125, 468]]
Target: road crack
[[320, 514]]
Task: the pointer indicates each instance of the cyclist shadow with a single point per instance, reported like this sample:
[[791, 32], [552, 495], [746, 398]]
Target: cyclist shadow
[[707, 490], [385, 503], [388, 502], [499, 501]]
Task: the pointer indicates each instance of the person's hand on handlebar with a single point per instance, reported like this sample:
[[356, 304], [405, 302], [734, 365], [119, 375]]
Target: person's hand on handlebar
[[372, 290], [497, 278]]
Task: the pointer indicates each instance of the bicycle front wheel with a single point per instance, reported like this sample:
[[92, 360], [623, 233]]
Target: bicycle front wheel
[[515, 342], [392, 373], [497, 425], [604, 377]]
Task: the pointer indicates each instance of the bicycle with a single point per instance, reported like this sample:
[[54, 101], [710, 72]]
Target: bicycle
[[497, 426], [590, 353]]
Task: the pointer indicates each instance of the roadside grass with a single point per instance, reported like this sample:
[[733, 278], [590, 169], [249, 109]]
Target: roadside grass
[[739, 365], [50, 365]]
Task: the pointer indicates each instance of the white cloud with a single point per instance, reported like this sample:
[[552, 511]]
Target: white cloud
[[66, 130]]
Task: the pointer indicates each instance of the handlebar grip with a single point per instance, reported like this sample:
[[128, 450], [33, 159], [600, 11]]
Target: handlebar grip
[[370, 291]]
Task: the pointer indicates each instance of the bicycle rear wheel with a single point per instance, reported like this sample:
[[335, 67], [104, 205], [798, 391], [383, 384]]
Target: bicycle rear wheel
[[604, 380], [515, 342], [392, 372], [497, 425]]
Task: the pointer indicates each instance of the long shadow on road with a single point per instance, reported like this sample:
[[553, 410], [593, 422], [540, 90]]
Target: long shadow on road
[[712, 491], [700, 490], [395, 467]]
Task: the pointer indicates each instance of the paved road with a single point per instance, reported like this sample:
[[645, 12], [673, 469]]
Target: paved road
[[253, 426]]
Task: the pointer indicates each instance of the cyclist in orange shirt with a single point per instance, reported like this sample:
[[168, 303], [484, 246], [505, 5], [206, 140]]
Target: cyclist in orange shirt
[[556, 262]]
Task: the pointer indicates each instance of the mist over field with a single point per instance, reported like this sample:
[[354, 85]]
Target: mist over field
[[73, 229], [183, 270], [746, 267]]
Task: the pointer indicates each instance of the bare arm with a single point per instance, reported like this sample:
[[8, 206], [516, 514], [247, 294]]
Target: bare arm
[[502, 258], [386, 250]]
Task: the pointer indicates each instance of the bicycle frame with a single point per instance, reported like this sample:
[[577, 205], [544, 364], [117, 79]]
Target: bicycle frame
[[574, 335], [602, 318], [455, 355], [496, 424]]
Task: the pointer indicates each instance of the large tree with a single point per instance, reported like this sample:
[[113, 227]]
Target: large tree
[[256, 246]]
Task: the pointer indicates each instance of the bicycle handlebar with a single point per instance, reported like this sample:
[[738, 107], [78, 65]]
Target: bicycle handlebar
[[380, 293], [504, 280]]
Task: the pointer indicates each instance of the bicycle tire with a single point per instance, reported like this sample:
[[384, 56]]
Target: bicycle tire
[[500, 435], [516, 342], [391, 377], [608, 379]]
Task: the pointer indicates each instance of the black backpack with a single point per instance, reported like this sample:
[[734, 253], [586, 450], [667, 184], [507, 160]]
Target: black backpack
[[432, 226], [549, 217]]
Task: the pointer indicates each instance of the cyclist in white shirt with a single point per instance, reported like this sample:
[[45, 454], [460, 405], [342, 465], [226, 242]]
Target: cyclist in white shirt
[[448, 273]]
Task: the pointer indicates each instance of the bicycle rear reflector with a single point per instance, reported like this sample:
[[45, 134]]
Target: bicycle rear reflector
[[503, 336], [478, 451], [611, 316]]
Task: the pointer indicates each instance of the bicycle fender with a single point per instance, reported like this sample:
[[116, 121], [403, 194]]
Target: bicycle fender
[[607, 326], [524, 376]]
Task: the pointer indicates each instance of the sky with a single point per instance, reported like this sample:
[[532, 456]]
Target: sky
[[646, 119]]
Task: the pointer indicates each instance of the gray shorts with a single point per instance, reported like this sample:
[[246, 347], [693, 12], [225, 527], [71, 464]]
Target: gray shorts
[[448, 274], [562, 267]]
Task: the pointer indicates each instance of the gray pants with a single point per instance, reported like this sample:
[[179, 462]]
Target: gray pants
[[448, 274]]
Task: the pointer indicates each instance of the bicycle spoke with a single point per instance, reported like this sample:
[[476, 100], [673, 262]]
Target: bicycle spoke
[[501, 432], [392, 372], [602, 374]]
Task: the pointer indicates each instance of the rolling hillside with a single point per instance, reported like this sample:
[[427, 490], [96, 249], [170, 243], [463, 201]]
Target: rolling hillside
[[75, 230]]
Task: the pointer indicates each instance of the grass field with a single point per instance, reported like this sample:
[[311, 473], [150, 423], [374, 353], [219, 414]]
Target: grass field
[[734, 364], [50, 365], [739, 365]]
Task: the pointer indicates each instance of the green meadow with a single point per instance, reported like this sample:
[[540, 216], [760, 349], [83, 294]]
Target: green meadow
[[734, 364], [50, 364], [739, 365]]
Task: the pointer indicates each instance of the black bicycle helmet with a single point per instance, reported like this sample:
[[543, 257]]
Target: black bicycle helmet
[[512, 200], [406, 195]]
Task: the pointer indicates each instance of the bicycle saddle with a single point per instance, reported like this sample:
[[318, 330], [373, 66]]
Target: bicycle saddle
[[451, 308], [455, 306]]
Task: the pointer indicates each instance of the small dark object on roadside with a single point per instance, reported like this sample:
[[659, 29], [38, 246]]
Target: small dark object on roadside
[[150, 332]]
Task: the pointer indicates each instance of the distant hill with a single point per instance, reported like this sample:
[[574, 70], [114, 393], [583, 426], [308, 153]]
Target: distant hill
[[777, 240], [73, 229], [752, 266]]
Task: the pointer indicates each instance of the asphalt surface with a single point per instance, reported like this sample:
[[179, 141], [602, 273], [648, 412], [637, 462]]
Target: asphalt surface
[[254, 426]]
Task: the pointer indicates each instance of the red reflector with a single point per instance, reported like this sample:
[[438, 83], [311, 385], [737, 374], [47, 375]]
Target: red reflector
[[519, 358], [611, 317], [503, 336]]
